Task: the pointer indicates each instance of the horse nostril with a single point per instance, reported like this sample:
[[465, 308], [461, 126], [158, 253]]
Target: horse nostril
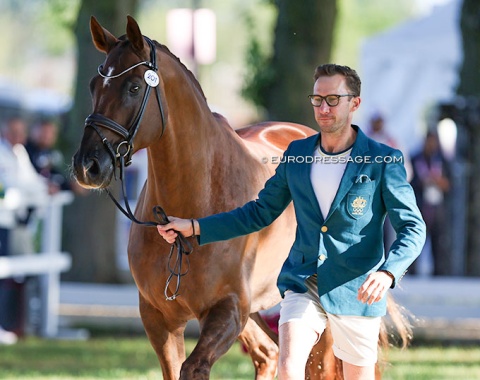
[[92, 168]]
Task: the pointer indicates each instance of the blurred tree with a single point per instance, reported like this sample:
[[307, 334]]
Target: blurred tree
[[303, 40], [327, 30], [469, 88], [90, 222]]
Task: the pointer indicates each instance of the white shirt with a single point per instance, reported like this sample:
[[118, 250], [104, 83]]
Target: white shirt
[[22, 184], [326, 174]]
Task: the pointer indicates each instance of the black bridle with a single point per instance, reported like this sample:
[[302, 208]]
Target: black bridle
[[122, 157], [97, 121]]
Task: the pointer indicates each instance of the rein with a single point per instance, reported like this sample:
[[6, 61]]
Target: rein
[[182, 245], [122, 157]]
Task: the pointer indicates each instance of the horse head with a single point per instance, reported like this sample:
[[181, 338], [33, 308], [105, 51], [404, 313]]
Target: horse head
[[122, 102]]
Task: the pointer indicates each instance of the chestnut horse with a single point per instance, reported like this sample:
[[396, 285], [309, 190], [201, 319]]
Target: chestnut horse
[[144, 97]]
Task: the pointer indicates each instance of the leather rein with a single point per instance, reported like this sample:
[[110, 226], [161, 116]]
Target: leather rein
[[122, 157]]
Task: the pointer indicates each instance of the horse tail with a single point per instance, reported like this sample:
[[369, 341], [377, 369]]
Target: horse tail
[[396, 330], [396, 325]]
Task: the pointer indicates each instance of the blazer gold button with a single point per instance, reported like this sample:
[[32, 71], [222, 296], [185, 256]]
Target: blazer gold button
[[323, 257], [324, 229]]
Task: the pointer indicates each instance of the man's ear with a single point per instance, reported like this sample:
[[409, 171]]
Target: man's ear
[[356, 103]]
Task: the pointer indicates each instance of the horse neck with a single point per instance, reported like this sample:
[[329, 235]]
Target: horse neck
[[191, 165], [194, 174]]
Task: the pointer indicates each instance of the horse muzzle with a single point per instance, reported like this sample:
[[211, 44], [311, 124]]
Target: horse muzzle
[[92, 170]]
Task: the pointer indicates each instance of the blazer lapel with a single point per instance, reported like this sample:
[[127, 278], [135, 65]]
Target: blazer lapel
[[360, 147], [304, 173]]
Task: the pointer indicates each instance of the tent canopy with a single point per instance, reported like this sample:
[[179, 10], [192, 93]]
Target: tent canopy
[[410, 68]]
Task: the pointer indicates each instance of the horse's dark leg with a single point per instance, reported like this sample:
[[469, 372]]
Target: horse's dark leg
[[262, 346], [220, 327], [167, 341]]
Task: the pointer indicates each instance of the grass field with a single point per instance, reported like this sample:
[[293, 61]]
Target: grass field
[[133, 358]]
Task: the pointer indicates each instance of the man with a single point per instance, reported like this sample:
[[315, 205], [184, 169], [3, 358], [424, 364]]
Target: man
[[337, 269], [13, 133], [23, 187], [18, 182], [378, 131], [431, 183], [46, 159]]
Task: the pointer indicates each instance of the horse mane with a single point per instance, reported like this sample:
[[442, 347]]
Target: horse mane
[[166, 50]]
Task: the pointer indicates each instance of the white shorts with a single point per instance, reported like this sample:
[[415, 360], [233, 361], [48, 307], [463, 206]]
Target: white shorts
[[355, 339]]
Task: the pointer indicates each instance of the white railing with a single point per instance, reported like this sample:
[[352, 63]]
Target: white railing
[[48, 263]]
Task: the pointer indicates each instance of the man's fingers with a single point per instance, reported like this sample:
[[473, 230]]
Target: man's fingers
[[168, 234], [371, 291]]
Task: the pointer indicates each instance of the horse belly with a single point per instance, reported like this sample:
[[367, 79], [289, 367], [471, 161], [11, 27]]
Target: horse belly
[[274, 244]]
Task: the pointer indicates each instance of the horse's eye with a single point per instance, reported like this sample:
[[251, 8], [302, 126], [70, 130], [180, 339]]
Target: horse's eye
[[134, 89]]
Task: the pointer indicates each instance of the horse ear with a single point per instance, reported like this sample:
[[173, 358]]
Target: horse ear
[[101, 37], [134, 34]]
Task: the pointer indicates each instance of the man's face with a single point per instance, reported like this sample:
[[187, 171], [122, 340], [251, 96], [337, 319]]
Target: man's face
[[334, 119], [47, 136], [16, 132]]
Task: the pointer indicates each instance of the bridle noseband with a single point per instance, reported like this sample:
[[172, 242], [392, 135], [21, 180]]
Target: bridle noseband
[[122, 157]]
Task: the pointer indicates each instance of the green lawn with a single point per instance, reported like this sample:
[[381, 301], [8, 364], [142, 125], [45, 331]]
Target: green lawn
[[133, 358]]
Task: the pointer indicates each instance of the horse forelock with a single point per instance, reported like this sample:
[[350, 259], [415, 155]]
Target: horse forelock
[[116, 56]]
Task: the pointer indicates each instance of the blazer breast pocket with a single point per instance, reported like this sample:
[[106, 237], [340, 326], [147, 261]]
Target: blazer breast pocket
[[359, 199]]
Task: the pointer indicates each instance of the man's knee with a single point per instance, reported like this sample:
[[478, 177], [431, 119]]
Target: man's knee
[[288, 370], [354, 372]]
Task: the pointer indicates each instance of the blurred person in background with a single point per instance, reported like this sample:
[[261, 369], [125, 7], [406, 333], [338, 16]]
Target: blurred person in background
[[377, 131], [21, 187], [46, 159], [431, 183]]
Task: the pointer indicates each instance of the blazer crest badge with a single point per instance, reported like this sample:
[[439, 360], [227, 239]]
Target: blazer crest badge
[[357, 205]]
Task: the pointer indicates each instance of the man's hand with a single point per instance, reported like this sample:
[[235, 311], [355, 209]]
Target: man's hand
[[169, 231], [375, 287]]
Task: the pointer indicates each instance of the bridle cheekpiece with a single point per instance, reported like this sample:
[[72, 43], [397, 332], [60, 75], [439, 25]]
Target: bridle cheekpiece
[[122, 157]]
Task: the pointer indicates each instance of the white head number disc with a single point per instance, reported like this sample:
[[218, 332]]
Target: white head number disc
[[151, 78]]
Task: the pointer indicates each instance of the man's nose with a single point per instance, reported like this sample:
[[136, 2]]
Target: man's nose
[[324, 107]]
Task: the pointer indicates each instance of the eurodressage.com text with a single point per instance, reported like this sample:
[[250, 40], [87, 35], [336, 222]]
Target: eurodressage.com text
[[333, 160]]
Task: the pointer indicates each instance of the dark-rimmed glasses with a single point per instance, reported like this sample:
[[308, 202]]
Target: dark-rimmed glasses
[[332, 99]]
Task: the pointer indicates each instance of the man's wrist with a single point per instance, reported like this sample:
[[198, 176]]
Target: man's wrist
[[195, 227], [389, 274]]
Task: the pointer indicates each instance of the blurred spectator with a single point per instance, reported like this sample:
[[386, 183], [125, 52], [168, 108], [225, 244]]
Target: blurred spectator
[[431, 182], [46, 159], [13, 132], [22, 188], [377, 132]]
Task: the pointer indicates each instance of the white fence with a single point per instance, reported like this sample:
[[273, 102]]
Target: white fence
[[48, 263]]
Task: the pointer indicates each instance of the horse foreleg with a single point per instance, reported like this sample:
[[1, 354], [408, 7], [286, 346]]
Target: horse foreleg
[[167, 341], [219, 328], [262, 346]]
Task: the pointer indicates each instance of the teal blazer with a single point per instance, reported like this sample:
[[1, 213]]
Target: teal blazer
[[346, 246]]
